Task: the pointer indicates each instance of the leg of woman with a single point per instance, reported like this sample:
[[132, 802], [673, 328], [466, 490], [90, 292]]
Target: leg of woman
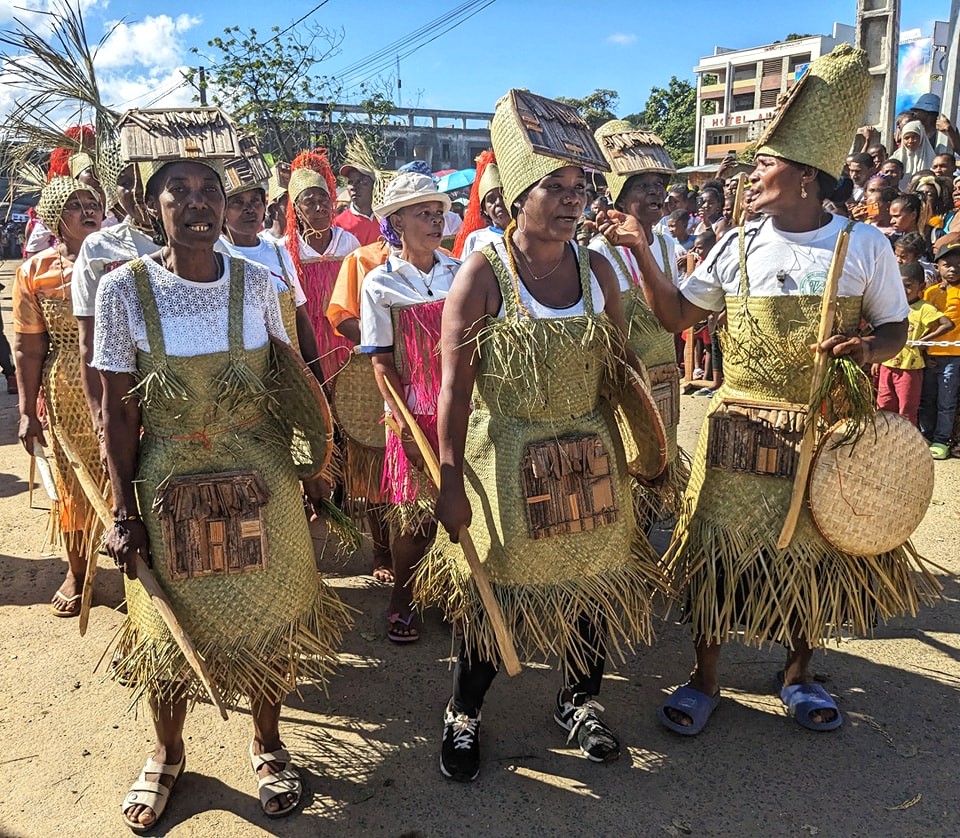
[[380, 535], [797, 671], [266, 739], [168, 719], [66, 601], [705, 677], [407, 549], [460, 750]]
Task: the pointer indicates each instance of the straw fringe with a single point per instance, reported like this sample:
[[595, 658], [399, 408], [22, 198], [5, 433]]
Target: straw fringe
[[265, 666]]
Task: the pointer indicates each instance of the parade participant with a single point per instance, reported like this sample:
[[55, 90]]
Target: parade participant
[[641, 169], [770, 277], [189, 342], [277, 199], [401, 303], [100, 253], [362, 455], [48, 357], [531, 326], [358, 218], [487, 216], [242, 226], [317, 248]]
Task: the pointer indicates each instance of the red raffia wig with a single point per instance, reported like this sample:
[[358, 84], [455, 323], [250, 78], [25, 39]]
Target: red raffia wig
[[472, 219], [85, 138], [316, 160]]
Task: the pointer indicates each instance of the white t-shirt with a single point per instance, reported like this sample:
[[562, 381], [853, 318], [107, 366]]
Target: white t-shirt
[[40, 238], [780, 263], [538, 310], [193, 315], [398, 283], [633, 278], [99, 254], [275, 258], [479, 239], [342, 243]]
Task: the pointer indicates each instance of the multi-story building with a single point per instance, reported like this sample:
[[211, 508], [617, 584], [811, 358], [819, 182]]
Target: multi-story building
[[737, 90]]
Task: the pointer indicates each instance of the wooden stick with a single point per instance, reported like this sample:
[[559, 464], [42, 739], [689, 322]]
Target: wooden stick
[[144, 576], [828, 313], [508, 654], [738, 210]]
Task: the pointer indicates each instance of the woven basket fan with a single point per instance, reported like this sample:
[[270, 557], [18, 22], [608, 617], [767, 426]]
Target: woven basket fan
[[869, 498], [358, 404], [641, 428]]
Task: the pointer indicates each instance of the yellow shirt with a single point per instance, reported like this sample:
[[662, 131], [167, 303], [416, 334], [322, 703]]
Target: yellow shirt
[[948, 301], [922, 316]]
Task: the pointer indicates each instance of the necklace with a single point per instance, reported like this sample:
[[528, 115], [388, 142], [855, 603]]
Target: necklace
[[426, 278], [527, 262]]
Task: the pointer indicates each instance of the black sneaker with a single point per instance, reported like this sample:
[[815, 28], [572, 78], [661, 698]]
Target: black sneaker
[[460, 753], [579, 716]]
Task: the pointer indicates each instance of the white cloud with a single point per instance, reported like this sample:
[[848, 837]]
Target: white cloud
[[622, 39], [31, 12], [155, 42], [140, 90]]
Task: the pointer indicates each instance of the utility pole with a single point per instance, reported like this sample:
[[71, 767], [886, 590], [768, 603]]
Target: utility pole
[[950, 105], [202, 87], [878, 34], [399, 83]]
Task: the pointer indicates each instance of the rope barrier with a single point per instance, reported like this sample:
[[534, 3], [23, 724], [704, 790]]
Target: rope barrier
[[933, 343]]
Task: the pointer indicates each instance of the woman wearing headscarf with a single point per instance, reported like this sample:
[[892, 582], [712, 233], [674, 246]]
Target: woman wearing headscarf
[[317, 248], [915, 151], [47, 351], [770, 276], [532, 338], [638, 188], [401, 303], [486, 216], [191, 346]]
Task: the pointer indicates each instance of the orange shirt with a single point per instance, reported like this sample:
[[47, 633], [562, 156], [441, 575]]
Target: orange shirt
[[345, 297], [43, 276], [948, 301]]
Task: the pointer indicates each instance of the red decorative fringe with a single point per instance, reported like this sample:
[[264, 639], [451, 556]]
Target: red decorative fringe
[[472, 219], [401, 481], [418, 339], [317, 279]]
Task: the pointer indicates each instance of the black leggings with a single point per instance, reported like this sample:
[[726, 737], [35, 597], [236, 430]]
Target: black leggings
[[473, 676], [6, 361]]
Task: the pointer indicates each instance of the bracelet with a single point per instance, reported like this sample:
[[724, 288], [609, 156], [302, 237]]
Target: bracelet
[[122, 519]]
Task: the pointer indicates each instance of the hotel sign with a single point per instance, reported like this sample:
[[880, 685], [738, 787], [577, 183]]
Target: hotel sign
[[729, 120]]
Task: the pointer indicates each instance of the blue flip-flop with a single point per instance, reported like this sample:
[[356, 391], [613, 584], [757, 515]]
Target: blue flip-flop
[[803, 700], [693, 703]]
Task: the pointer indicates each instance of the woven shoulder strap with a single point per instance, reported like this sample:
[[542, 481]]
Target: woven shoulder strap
[[235, 310], [283, 267], [148, 305], [504, 279], [620, 261], [665, 254], [583, 258]]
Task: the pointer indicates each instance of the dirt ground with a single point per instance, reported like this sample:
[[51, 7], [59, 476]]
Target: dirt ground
[[368, 750]]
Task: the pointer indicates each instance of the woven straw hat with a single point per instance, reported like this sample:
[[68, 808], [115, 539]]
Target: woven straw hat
[[278, 182], [869, 497], [489, 180], [816, 121], [246, 172], [303, 179], [533, 136], [54, 197], [80, 162], [407, 189], [630, 152]]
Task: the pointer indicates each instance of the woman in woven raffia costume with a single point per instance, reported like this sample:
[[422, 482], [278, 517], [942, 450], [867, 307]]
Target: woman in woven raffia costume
[[486, 216], [317, 248], [641, 193], [401, 303], [189, 333], [771, 276], [48, 357], [531, 329]]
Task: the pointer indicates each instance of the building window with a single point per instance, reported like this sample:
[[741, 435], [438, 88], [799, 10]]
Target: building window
[[400, 149], [797, 60], [746, 72], [742, 102]]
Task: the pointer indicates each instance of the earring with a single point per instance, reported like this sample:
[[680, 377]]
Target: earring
[[803, 190], [522, 212]]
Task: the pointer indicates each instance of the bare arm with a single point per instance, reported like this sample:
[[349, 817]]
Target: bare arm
[[880, 345], [674, 311], [474, 296], [121, 428], [307, 343], [350, 329], [385, 370], [613, 303], [30, 351]]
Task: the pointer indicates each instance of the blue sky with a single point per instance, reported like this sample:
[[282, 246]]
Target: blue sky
[[554, 47]]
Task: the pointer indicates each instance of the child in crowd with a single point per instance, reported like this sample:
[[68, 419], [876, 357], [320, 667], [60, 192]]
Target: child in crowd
[[678, 225], [905, 215], [941, 378], [911, 247], [901, 378]]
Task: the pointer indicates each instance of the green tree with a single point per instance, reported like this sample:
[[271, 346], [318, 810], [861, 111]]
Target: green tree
[[671, 113], [596, 108]]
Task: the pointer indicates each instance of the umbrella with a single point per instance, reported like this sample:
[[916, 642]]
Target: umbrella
[[443, 172], [457, 180]]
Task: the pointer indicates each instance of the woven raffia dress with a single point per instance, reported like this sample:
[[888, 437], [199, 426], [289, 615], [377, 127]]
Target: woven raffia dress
[[538, 424], [255, 607], [657, 349], [724, 553], [72, 519]]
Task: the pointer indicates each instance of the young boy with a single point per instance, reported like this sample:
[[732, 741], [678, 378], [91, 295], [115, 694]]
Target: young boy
[[941, 378], [912, 248], [678, 225], [901, 378]]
